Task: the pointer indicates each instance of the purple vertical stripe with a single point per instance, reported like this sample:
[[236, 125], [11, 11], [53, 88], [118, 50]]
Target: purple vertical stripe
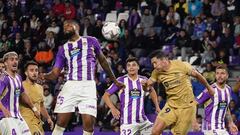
[[79, 60], [14, 98], [70, 47], [130, 85], [225, 109], [17, 98], [138, 100], [89, 73], [218, 109], [122, 101]]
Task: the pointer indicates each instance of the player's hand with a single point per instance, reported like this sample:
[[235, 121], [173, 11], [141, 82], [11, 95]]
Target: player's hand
[[158, 109], [50, 122], [119, 84], [195, 126], [115, 113], [233, 128], [6, 113], [144, 85]]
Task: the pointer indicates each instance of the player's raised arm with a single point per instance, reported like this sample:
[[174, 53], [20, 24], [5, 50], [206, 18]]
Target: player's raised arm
[[202, 80], [103, 62]]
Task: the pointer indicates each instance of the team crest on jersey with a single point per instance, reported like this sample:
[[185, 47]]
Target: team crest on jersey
[[74, 52], [135, 93], [17, 92], [222, 104]]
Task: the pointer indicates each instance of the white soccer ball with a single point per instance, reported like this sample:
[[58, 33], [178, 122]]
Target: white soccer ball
[[110, 31]]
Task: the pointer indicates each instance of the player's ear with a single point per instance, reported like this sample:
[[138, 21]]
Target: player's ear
[[25, 73]]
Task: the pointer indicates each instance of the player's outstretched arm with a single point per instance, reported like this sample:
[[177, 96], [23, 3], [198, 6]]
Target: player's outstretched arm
[[103, 61], [114, 110], [6, 113], [232, 127], [52, 75], [26, 100], [202, 80], [153, 95], [45, 114]]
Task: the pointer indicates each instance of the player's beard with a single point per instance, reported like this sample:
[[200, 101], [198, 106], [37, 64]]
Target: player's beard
[[69, 35]]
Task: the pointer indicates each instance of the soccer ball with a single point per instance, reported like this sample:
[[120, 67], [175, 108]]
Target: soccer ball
[[110, 31]]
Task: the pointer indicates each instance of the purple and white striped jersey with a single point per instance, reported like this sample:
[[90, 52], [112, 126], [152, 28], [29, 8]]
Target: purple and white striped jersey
[[131, 99], [79, 58], [10, 90], [215, 107]]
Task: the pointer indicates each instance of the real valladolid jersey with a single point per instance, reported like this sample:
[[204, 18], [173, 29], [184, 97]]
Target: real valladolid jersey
[[79, 58], [215, 107], [131, 99]]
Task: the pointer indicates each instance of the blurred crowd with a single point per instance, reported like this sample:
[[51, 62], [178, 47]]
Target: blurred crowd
[[205, 33]]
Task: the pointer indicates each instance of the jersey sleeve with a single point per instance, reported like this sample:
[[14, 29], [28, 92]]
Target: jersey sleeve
[[204, 96], [187, 68], [113, 88], [60, 59], [154, 76], [96, 45], [3, 83]]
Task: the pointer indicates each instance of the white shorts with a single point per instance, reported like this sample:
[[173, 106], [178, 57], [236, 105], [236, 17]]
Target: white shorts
[[81, 94], [14, 126], [144, 128], [215, 132]]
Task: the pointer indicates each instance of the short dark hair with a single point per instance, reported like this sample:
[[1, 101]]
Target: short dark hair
[[131, 59], [29, 63], [1, 60], [222, 67], [158, 54]]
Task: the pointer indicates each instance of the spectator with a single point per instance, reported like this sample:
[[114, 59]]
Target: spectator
[[183, 43], [34, 22], [26, 30], [147, 21], [157, 6], [48, 98], [44, 54], [226, 40], [181, 8], [87, 29], [17, 44], [194, 8], [90, 16], [69, 11], [133, 20], [173, 18], [159, 23], [206, 8], [51, 41], [237, 26], [5, 29], [53, 27], [123, 26], [58, 8], [218, 9], [221, 59]]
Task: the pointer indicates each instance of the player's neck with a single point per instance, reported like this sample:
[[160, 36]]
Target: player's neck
[[133, 76], [29, 81], [222, 86], [74, 38], [167, 66], [12, 74]]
